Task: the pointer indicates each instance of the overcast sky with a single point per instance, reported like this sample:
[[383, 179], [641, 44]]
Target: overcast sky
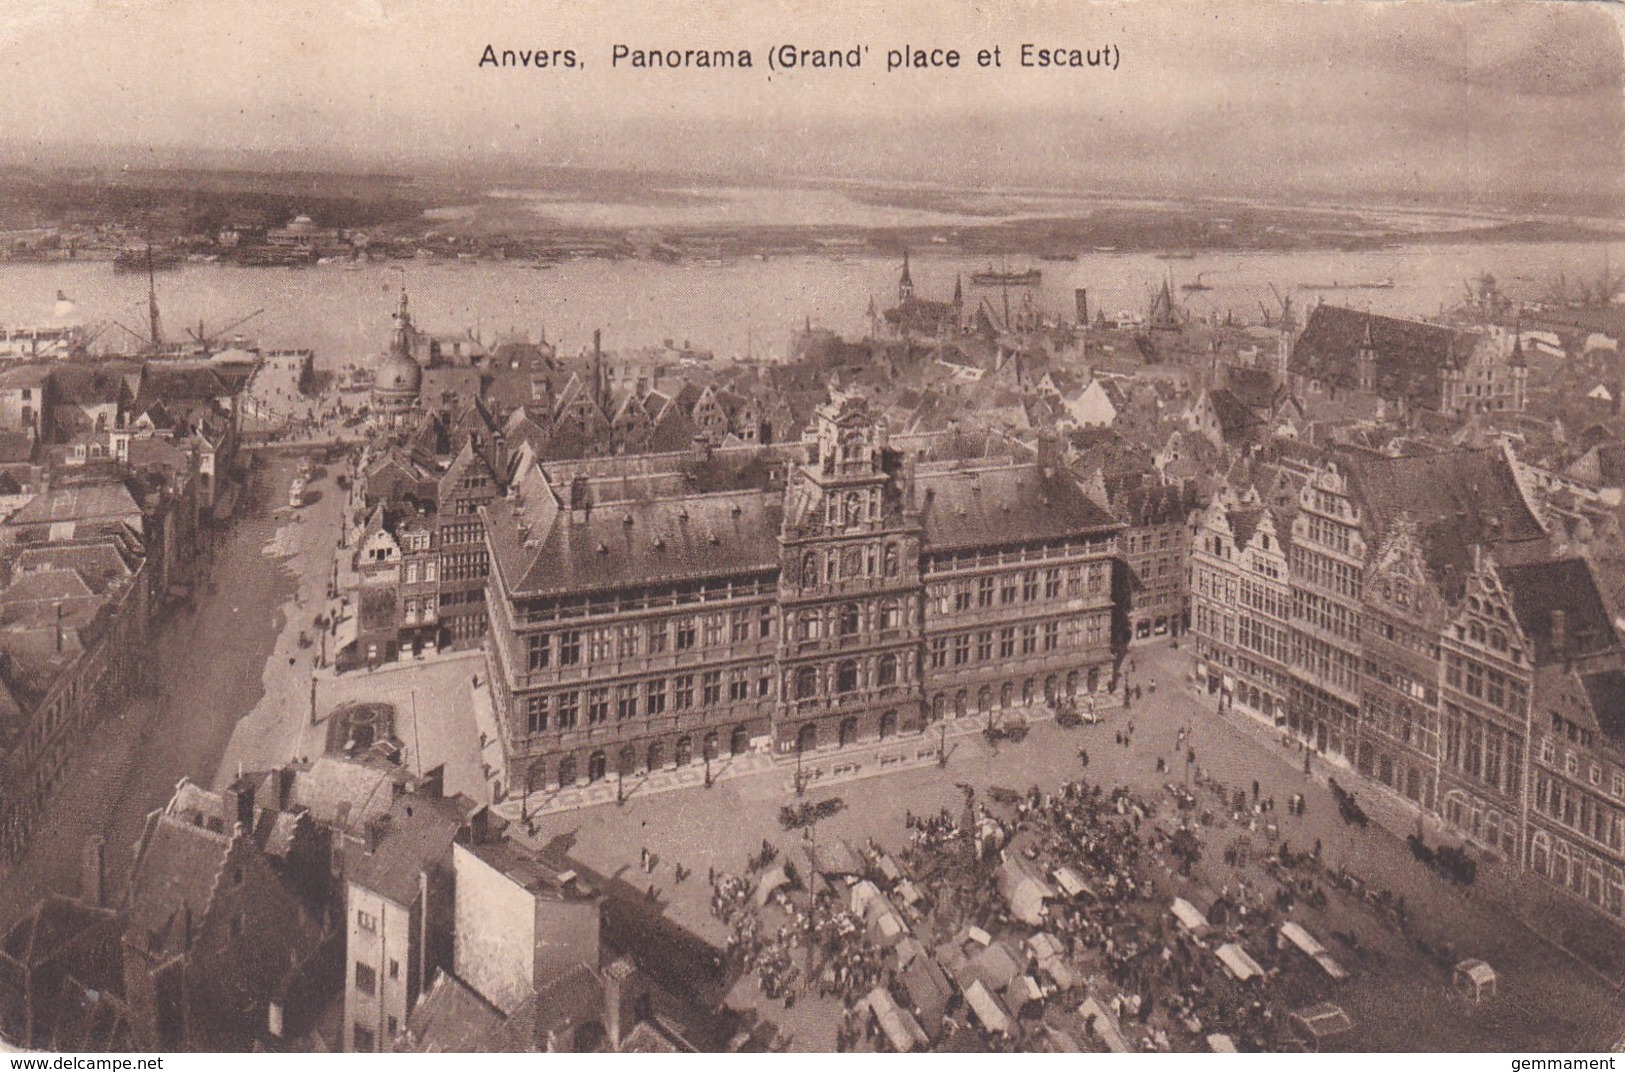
[[1251, 97]]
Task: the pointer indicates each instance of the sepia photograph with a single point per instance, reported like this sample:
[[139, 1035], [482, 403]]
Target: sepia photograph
[[783, 526]]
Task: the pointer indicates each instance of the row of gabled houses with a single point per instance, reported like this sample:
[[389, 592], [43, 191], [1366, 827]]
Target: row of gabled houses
[[1415, 619]]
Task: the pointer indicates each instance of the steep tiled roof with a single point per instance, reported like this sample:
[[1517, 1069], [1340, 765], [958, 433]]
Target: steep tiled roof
[[651, 541], [1457, 499], [1541, 588], [417, 834], [451, 1018], [1009, 504], [1407, 354], [1606, 690], [173, 882]]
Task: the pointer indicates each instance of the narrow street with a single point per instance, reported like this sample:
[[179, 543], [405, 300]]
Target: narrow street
[[210, 668]]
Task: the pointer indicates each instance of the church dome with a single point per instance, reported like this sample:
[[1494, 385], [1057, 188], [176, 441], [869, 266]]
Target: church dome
[[398, 378]]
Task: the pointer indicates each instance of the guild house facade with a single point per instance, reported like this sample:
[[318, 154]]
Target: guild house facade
[[646, 615]]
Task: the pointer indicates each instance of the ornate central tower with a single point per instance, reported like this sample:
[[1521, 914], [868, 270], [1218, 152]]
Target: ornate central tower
[[849, 589]]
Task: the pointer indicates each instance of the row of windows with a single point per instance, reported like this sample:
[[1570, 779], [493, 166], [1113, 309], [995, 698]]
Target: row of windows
[[629, 640], [1329, 533], [850, 563], [1010, 641], [1485, 683], [1333, 665], [1328, 574], [1025, 586], [846, 620], [1579, 811], [465, 566], [1325, 614], [652, 698], [809, 682]]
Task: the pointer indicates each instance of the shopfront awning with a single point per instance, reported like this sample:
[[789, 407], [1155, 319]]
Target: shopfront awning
[[1237, 962]]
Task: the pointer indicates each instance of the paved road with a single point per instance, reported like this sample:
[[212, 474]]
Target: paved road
[[209, 673]]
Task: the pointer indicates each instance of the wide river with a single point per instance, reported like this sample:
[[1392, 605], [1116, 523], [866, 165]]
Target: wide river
[[741, 306]]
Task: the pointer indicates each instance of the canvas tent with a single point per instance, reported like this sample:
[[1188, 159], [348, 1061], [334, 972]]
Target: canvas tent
[[1237, 962], [1475, 979], [1104, 1025], [901, 1029], [1189, 916], [986, 1008], [1318, 1023]]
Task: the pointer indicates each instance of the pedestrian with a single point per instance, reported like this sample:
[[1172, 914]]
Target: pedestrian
[[1255, 788], [644, 859]]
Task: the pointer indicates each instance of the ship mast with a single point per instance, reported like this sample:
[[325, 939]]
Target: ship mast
[[152, 302]]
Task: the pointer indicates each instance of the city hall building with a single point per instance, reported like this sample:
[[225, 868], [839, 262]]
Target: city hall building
[[659, 611]]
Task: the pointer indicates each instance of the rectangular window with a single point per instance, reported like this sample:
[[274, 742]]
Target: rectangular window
[[1052, 635], [366, 978], [569, 707], [654, 697], [540, 647], [738, 687], [961, 649], [764, 686], [626, 642], [939, 653], [962, 598], [1029, 639], [984, 592], [1029, 586], [569, 648], [366, 921], [1007, 643], [764, 623], [1074, 581], [536, 714], [626, 702], [685, 634], [656, 634], [711, 692], [1052, 584], [394, 969], [1007, 588], [602, 643], [683, 693], [713, 630], [597, 706], [984, 646], [741, 626]]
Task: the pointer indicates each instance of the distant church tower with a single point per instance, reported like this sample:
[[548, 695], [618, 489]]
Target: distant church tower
[[905, 285]]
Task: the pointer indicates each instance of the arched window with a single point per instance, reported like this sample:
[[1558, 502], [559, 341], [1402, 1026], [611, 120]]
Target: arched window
[[939, 706], [849, 619], [1498, 640], [888, 671], [888, 725], [806, 683], [846, 676], [961, 702]]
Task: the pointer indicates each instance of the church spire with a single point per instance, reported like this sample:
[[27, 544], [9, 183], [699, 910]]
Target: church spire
[[905, 285]]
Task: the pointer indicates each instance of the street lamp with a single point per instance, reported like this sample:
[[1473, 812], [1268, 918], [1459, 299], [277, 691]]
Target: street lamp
[[801, 785], [942, 745]]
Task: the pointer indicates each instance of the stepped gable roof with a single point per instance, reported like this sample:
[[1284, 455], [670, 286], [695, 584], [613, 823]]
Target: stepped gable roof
[[1407, 355], [1009, 504], [1457, 499], [1606, 691], [1540, 588], [647, 541], [1144, 502], [172, 885]]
